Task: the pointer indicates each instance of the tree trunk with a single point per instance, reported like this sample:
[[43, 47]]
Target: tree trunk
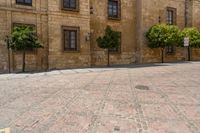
[[108, 64], [162, 56], [8, 60], [23, 60], [189, 54]]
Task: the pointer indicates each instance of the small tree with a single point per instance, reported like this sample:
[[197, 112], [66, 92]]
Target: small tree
[[194, 38], [23, 38], [110, 40], [161, 36]]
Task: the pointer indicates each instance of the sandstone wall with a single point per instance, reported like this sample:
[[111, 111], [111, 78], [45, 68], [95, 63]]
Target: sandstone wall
[[3, 49], [125, 25], [149, 16], [196, 23], [34, 15], [58, 58], [137, 16]]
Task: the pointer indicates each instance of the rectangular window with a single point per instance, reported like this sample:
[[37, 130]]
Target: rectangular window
[[70, 4], [114, 9], [170, 49], [71, 38], [24, 2], [171, 16]]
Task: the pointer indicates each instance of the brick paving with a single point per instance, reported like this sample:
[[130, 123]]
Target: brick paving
[[104, 100]]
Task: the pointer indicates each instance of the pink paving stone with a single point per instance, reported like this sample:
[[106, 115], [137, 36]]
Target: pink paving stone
[[115, 125], [104, 102], [150, 97], [182, 99], [71, 123], [96, 87], [168, 127], [121, 88], [84, 105], [120, 96], [159, 111], [119, 108], [191, 112], [98, 94], [173, 90], [197, 124]]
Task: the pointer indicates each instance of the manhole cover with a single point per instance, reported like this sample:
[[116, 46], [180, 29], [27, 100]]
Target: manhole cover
[[142, 87], [117, 128]]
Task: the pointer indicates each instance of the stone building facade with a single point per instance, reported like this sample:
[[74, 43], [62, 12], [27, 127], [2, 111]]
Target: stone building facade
[[68, 30], [186, 15]]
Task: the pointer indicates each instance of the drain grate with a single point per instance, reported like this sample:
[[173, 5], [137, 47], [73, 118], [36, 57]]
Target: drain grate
[[142, 87]]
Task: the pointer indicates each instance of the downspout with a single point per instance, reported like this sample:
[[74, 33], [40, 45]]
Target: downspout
[[186, 14], [159, 17], [188, 20], [47, 47], [138, 29]]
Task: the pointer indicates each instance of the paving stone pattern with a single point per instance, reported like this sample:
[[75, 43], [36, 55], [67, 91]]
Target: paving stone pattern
[[104, 100]]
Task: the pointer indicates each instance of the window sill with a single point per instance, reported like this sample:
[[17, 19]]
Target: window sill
[[68, 51], [24, 6], [114, 19], [70, 10], [115, 52]]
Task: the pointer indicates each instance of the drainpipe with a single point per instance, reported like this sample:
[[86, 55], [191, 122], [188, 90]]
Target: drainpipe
[[47, 45], [188, 20], [186, 13], [159, 17]]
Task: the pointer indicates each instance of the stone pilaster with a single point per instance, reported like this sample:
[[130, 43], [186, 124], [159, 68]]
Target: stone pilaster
[[139, 38], [188, 13]]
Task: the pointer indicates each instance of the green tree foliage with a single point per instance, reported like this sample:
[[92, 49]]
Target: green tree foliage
[[194, 37], [161, 36], [110, 40], [23, 38]]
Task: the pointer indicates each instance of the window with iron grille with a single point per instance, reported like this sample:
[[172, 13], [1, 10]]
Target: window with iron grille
[[24, 2], [171, 16], [71, 38], [70, 4], [114, 9]]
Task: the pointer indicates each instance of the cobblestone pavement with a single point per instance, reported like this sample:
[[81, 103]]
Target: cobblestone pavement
[[153, 99]]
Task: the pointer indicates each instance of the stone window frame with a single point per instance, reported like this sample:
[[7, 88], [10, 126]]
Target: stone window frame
[[118, 50], [24, 3], [170, 50], [25, 24], [71, 28], [70, 9], [118, 10], [174, 17]]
